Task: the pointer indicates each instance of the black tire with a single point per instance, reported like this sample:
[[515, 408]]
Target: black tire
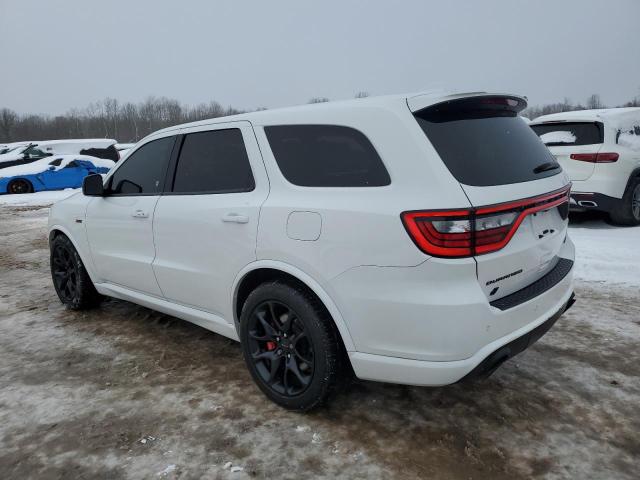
[[303, 346], [19, 186], [70, 279], [627, 212]]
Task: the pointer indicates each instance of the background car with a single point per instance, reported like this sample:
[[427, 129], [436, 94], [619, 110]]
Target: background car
[[36, 150], [52, 173], [600, 151]]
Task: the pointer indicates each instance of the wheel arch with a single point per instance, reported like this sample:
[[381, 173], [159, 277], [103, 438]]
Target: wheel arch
[[56, 230], [262, 271]]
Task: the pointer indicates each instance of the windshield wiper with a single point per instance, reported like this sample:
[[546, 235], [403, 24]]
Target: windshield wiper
[[545, 167]]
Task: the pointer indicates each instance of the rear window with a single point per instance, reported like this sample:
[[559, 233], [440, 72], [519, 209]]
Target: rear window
[[569, 133], [483, 142], [326, 156]]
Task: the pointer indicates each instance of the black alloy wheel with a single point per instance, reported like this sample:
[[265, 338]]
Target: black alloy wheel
[[65, 273], [70, 278], [19, 186], [280, 348], [291, 346]]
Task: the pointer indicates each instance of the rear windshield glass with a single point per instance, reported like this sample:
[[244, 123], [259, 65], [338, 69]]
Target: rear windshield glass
[[565, 133], [326, 156], [483, 142]]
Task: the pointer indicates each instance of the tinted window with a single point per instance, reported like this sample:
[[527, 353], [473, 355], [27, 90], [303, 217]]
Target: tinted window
[[484, 143], [213, 162], [144, 171], [326, 156], [569, 133]]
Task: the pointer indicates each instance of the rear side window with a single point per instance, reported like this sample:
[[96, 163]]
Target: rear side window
[[569, 133], [143, 171], [213, 162], [484, 143], [326, 156]]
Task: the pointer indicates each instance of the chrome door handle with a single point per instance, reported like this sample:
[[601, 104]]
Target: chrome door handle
[[140, 214], [235, 218]]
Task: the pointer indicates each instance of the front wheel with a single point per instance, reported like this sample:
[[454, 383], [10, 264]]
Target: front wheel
[[70, 278], [628, 211], [290, 346]]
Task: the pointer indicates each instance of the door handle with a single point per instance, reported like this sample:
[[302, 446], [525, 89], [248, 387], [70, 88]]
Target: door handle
[[140, 214], [235, 218]]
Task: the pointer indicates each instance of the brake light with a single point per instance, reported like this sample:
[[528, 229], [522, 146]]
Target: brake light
[[475, 231], [595, 157]]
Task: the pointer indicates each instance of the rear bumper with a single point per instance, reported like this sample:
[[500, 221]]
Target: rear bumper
[[583, 201], [482, 364], [514, 347]]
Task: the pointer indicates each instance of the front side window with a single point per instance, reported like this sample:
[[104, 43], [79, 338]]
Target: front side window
[[213, 162], [144, 171], [326, 156]]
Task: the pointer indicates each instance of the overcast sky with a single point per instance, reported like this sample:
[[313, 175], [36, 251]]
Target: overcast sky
[[62, 54]]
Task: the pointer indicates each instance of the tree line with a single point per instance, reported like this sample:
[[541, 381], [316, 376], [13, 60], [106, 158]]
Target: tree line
[[129, 122], [567, 105]]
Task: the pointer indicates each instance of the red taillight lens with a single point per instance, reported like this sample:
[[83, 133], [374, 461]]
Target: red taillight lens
[[464, 233], [595, 157]]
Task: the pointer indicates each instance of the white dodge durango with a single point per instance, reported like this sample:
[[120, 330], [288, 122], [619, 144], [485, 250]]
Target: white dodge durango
[[415, 239]]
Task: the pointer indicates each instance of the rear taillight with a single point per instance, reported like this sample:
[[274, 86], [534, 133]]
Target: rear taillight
[[475, 231], [595, 157]]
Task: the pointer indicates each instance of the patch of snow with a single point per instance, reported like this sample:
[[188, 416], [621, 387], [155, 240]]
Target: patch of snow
[[302, 428], [227, 465], [605, 253], [236, 469], [166, 471], [560, 136], [316, 438], [630, 141], [37, 198]]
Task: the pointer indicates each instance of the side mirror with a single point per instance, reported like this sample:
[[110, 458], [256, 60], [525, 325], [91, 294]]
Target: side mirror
[[92, 186], [51, 168]]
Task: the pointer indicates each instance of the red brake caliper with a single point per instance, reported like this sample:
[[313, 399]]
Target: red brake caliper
[[271, 346]]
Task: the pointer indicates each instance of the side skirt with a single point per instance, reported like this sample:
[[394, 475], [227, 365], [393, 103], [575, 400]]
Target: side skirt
[[201, 318]]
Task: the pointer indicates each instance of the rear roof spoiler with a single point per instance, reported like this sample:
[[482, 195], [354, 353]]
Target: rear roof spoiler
[[419, 102]]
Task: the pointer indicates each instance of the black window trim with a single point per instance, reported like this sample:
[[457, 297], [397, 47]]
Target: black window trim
[[173, 166], [326, 187], [110, 193]]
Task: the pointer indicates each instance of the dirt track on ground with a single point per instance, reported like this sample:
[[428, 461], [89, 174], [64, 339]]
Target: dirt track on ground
[[125, 392]]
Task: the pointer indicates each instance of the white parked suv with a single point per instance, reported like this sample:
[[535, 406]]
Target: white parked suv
[[407, 239], [600, 151]]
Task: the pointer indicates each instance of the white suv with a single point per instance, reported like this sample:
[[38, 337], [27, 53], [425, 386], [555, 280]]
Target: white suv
[[409, 239], [600, 151]]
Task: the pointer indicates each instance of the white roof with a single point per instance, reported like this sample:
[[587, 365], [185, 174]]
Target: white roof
[[415, 101], [597, 115]]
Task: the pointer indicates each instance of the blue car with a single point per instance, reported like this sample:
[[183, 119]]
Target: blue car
[[51, 173]]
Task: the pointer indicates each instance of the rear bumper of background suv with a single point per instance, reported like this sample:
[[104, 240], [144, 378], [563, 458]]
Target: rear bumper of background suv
[[410, 329]]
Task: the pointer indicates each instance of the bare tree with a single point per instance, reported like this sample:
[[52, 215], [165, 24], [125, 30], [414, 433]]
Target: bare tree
[[8, 120], [318, 100], [362, 94]]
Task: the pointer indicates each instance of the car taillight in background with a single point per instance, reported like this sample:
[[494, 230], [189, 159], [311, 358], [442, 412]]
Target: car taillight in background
[[475, 231], [595, 157]]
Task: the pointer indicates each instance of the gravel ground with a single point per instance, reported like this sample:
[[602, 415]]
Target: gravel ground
[[125, 392]]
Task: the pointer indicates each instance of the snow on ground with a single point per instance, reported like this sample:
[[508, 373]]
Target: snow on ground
[[606, 253], [126, 392], [38, 198]]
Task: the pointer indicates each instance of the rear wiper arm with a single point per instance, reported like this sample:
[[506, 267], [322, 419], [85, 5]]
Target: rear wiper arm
[[545, 167]]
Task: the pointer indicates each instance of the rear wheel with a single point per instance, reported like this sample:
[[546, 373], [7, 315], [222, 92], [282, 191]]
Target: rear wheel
[[628, 211], [19, 186], [70, 279], [290, 346]]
